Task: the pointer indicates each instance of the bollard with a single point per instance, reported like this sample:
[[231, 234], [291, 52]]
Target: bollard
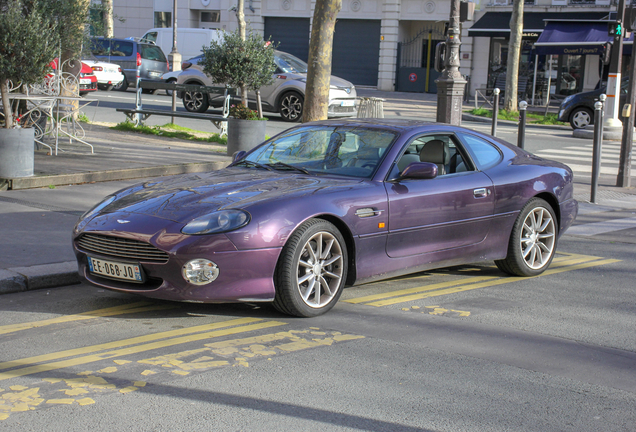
[[521, 137], [495, 112], [596, 152], [138, 118]]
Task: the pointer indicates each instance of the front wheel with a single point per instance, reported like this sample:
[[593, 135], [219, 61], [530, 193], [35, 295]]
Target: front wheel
[[581, 118], [533, 240], [170, 81], [291, 107], [312, 270], [195, 102]]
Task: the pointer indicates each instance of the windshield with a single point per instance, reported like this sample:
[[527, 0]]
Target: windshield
[[342, 150], [289, 63]]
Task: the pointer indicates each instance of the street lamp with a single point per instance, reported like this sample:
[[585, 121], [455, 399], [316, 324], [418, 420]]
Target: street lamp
[[451, 83]]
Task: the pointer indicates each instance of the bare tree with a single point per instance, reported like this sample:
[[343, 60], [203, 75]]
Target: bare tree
[[108, 18], [320, 51], [514, 53]]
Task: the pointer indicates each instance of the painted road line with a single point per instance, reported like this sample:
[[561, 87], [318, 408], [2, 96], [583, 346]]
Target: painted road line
[[126, 342], [499, 281], [564, 260], [30, 370], [111, 311], [603, 227], [418, 289]]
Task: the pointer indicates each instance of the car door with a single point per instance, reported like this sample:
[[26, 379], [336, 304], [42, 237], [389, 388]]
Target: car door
[[452, 210]]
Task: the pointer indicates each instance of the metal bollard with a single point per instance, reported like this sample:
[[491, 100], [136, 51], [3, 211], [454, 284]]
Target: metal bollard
[[138, 106], [495, 112], [596, 152], [521, 137]]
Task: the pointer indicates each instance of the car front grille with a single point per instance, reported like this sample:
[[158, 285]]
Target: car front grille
[[117, 247]]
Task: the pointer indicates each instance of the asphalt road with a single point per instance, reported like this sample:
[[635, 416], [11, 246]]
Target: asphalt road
[[460, 349]]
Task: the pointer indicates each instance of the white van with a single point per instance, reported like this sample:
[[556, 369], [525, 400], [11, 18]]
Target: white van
[[190, 41]]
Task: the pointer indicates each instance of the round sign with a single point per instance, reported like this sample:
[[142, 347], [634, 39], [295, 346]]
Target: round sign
[[413, 77], [205, 2]]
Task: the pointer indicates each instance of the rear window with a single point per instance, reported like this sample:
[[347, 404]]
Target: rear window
[[121, 49], [152, 52]]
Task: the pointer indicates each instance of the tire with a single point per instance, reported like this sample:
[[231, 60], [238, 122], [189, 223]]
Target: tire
[[291, 107], [105, 87], [122, 86], [195, 101], [148, 91], [298, 291], [581, 117], [171, 81], [533, 240]]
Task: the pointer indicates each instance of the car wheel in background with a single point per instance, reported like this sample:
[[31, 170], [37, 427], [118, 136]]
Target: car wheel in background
[[581, 117], [533, 240], [195, 101], [311, 270], [105, 87], [291, 107], [122, 86], [170, 81]]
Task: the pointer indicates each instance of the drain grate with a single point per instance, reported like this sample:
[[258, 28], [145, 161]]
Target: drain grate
[[42, 206]]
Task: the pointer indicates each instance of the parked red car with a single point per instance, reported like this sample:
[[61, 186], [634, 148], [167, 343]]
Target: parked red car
[[87, 79]]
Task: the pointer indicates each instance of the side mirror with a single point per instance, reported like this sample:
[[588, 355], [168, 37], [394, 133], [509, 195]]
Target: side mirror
[[419, 170], [237, 156]]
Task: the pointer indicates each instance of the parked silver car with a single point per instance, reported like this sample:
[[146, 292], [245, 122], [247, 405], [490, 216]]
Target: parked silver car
[[285, 96]]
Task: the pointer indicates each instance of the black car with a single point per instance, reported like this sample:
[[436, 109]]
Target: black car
[[578, 109], [128, 53]]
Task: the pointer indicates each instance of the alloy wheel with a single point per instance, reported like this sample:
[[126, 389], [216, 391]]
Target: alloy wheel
[[538, 238]]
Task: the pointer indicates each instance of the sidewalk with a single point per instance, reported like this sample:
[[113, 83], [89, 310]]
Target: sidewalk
[[37, 216]]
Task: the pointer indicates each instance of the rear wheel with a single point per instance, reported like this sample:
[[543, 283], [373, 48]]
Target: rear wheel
[[291, 107], [312, 270], [533, 240], [195, 102], [122, 86], [581, 117]]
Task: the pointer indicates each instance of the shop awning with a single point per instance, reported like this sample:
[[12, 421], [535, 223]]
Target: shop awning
[[575, 38], [497, 24]]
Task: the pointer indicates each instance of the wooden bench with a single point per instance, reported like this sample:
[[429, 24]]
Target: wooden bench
[[138, 114]]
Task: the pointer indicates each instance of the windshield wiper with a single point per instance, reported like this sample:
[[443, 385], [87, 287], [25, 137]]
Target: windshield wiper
[[254, 164], [282, 165]]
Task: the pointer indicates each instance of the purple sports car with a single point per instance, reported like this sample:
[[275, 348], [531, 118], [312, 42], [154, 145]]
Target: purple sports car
[[329, 204]]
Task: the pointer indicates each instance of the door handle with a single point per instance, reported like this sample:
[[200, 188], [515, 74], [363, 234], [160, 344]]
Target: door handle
[[481, 192]]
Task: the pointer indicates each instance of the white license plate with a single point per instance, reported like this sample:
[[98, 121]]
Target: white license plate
[[348, 103], [117, 270], [154, 74], [85, 81]]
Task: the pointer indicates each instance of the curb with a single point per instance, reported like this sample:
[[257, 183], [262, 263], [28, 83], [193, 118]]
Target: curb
[[19, 279], [480, 119], [111, 175]]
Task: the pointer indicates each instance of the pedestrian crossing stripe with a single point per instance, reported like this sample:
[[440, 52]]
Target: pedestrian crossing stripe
[[563, 263]]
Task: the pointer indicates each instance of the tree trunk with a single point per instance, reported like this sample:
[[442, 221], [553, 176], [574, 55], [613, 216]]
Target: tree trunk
[[240, 16], [316, 102], [108, 18], [6, 105], [514, 53]]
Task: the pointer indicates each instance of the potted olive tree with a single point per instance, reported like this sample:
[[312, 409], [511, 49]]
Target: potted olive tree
[[247, 65], [29, 40]]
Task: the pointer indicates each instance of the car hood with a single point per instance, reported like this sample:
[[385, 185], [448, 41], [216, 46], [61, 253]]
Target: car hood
[[186, 197]]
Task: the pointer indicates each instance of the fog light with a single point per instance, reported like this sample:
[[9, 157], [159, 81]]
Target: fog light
[[200, 271]]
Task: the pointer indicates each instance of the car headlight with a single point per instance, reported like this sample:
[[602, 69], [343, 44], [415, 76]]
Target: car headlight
[[567, 99], [217, 222], [97, 208]]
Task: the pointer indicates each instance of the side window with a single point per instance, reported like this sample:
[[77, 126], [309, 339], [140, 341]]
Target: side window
[[442, 150], [485, 154], [100, 46], [121, 49]]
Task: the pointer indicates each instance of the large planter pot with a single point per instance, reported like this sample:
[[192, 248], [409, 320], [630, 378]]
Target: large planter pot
[[16, 152], [244, 134]]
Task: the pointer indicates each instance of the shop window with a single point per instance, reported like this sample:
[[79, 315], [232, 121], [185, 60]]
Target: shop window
[[210, 16]]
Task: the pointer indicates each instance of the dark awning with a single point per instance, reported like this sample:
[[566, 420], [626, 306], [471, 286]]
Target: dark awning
[[574, 38], [497, 24]]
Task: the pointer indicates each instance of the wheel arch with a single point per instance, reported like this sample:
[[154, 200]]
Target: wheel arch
[[554, 203]]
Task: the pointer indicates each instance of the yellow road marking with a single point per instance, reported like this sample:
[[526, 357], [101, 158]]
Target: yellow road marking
[[498, 281], [125, 342], [111, 311], [133, 349]]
